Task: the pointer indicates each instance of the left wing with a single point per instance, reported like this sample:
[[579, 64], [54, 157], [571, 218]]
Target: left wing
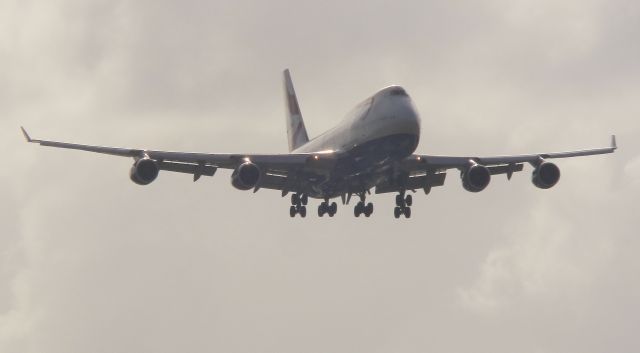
[[434, 167], [448, 162], [275, 167]]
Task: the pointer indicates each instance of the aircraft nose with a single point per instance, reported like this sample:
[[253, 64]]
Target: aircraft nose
[[394, 91], [396, 111]]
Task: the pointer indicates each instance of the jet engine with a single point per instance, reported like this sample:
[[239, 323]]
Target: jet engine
[[476, 178], [144, 171], [546, 175], [245, 176]]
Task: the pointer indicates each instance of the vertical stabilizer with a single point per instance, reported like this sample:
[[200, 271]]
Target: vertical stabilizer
[[296, 132]]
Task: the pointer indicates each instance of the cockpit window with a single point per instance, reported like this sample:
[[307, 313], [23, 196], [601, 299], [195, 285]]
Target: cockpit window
[[397, 91]]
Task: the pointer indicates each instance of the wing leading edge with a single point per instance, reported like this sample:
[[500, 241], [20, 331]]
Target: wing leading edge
[[277, 166], [446, 162], [435, 167]]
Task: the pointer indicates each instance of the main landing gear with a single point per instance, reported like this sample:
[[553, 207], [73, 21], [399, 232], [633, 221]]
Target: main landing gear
[[362, 208], [403, 205], [327, 208], [299, 202], [298, 205]]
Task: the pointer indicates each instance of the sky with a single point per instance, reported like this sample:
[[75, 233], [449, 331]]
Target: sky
[[90, 262]]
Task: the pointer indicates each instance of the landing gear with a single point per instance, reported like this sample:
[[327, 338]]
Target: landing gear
[[403, 205], [298, 203], [297, 199], [327, 208], [362, 208], [301, 210]]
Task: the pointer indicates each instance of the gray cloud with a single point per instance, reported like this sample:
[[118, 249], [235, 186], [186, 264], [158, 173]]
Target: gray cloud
[[91, 262]]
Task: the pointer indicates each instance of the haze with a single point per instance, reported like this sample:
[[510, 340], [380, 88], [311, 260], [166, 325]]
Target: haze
[[90, 262]]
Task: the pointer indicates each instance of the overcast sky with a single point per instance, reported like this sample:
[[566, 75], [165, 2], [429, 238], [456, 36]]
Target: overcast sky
[[90, 262]]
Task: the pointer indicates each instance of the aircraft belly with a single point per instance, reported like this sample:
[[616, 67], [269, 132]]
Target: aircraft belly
[[363, 166]]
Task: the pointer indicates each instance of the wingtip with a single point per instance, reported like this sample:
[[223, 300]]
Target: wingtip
[[26, 135], [614, 144]]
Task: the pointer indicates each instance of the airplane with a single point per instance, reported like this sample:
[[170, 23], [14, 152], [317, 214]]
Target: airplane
[[371, 148]]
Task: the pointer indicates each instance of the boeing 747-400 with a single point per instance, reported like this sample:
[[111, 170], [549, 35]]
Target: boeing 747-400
[[371, 149]]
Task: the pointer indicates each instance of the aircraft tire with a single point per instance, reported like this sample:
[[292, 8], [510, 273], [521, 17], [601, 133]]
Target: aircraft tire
[[292, 211], [407, 212], [357, 210], [323, 209], [368, 210], [396, 212], [399, 200], [409, 200]]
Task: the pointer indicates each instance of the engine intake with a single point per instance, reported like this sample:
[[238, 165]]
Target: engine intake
[[546, 175], [144, 171], [476, 178], [246, 176]]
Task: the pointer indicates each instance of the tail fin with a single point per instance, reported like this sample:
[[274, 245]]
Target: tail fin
[[296, 132]]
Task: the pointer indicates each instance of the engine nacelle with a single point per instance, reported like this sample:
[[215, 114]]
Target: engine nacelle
[[546, 175], [476, 178], [144, 171], [246, 176]]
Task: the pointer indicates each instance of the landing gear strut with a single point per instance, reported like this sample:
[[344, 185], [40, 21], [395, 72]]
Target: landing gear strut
[[362, 208], [298, 205], [403, 205], [328, 208]]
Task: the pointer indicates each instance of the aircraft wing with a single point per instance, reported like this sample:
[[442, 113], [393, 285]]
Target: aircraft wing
[[277, 167], [496, 164]]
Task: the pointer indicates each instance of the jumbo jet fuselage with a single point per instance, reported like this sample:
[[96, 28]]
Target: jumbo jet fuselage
[[378, 133]]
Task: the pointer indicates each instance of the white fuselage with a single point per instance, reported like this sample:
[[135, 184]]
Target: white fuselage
[[389, 112], [369, 143]]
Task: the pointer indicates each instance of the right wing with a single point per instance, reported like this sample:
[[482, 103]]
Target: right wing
[[426, 171], [279, 170]]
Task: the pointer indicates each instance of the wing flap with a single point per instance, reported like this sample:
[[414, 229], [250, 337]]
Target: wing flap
[[425, 181], [506, 169], [273, 182], [197, 170]]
